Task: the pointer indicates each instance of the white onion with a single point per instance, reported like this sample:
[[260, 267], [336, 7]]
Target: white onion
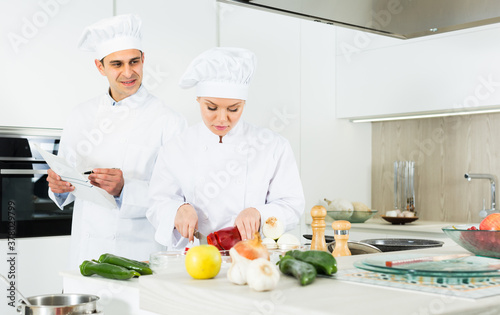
[[288, 241], [269, 243], [273, 228]]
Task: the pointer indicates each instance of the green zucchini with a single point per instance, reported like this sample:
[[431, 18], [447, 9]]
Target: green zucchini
[[140, 267], [89, 268], [323, 261], [302, 271]]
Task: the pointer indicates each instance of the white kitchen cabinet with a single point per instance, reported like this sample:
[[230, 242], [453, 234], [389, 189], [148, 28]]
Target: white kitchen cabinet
[[44, 74], [293, 93], [380, 76], [335, 154], [174, 33], [274, 100]]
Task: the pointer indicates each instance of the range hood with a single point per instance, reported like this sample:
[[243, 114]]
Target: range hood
[[402, 19]]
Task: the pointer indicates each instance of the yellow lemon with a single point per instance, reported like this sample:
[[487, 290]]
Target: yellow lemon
[[203, 261]]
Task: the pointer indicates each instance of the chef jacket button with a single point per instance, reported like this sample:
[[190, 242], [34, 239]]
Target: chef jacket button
[[113, 236], [87, 235], [239, 182], [205, 148]]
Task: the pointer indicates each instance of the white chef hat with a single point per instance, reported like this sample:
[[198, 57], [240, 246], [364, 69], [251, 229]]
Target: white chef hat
[[223, 72], [112, 34]]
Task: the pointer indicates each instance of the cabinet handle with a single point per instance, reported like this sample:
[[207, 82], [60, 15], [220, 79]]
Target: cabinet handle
[[22, 172]]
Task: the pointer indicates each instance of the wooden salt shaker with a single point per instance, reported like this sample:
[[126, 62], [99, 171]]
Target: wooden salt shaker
[[341, 233], [318, 213]]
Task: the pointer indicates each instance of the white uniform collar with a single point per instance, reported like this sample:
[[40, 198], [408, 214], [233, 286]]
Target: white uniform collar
[[230, 137], [133, 100]]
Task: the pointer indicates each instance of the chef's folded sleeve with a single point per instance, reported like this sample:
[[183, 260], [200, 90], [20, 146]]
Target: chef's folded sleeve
[[62, 199]]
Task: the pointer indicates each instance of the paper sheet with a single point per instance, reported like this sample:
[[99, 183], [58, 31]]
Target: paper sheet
[[83, 188]]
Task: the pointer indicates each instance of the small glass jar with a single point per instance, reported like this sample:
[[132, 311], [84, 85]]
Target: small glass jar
[[167, 261]]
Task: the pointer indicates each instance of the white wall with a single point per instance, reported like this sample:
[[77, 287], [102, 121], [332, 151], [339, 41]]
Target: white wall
[[44, 74], [174, 33]]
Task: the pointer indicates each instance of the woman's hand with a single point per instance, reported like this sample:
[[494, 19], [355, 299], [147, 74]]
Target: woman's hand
[[57, 185], [248, 222], [109, 179], [186, 220]]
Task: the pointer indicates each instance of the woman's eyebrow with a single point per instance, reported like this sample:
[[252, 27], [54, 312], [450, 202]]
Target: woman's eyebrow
[[235, 104]]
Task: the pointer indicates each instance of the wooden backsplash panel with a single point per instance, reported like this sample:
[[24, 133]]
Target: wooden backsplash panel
[[444, 149]]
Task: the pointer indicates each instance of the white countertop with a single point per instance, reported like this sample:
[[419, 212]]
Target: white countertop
[[177, 292], [419, 226]]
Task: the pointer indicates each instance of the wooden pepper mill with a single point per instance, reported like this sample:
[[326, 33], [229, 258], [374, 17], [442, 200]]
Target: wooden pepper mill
[[318, 213], [341, 234]]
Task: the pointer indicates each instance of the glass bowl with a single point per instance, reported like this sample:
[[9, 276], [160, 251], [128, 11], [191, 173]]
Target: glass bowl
[[480, 242], [166, 261], [162, 262], [352, 216], [226, 258]]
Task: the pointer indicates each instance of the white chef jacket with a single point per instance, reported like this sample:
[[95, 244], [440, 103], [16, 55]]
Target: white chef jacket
[[103, 133], [252, 167]]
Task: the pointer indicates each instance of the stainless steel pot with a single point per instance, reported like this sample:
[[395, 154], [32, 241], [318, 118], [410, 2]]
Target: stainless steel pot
[[60, 304], [356, 248]]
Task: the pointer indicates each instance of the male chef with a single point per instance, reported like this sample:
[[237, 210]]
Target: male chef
[[115, 137]]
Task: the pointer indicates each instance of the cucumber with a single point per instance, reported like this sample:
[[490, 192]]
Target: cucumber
[[302, 271], [324, 262], [89, 268]]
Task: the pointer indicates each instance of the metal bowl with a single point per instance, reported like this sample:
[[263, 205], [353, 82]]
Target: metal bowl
[[395, 244], [356, 248]]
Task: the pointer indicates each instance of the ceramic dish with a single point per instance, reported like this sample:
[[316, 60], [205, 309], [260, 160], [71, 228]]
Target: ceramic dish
[[399, 220], [396, 244], [479, 242], [352, 216]]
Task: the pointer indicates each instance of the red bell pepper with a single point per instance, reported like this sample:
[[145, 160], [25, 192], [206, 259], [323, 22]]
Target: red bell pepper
[[225, 238]]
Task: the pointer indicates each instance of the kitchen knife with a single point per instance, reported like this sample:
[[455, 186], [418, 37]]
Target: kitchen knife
[[202, 238]]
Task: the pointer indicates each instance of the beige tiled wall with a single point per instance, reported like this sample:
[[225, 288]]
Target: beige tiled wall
[[444, 149]]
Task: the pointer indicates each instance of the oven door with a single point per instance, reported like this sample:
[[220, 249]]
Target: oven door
[[26, 209]]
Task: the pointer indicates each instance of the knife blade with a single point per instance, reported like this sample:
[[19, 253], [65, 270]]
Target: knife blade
[[202, 238]]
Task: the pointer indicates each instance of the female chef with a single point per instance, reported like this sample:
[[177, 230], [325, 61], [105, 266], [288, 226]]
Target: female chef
[[223, 171]]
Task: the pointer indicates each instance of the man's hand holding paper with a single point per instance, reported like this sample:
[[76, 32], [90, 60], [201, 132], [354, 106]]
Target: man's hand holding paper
[[109, 179], [82, 187], [57, 185]]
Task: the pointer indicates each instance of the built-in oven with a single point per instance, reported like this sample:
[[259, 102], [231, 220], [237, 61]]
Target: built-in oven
[[26, 209]]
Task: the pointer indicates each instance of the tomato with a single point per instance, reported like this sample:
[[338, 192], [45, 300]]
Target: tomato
[[491, 222]]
